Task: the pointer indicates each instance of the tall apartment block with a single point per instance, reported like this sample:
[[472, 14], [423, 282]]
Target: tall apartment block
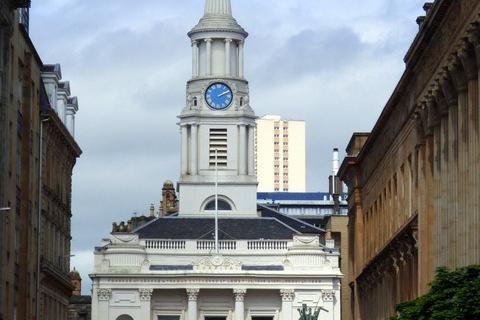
[[280, 154]]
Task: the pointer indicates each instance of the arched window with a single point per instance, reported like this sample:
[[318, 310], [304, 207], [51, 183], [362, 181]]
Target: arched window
[[241, 101], [222, 205], [195, 102], [124, 317]]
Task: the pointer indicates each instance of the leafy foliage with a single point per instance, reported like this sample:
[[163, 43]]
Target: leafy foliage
[[453, 296]]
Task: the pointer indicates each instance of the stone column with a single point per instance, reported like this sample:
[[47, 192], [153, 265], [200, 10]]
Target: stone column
[[240, 58], [475, 153], [242, 163], [251, 150], [145, 298], [228, 68], [192, 303], [193, 149], [103, 296], [209, 57], [239, 295], [184, 157], [194, 58], [287, 303]]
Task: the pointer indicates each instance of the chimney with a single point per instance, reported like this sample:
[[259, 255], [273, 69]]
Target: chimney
[[335, 185], [335, 162]]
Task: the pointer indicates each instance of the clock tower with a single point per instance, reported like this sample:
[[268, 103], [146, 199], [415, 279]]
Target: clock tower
[[217, 123]]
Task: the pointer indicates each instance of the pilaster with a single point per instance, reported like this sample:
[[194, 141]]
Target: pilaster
[[145, 299], [288, 295], [192, 294], [239, 295]]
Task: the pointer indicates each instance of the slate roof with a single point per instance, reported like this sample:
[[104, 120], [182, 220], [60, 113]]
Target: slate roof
[[182, 228], [297, 224], [293, 196]]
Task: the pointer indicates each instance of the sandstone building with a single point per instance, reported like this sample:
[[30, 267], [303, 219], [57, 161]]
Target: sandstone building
[[37, 153], [414, 180]]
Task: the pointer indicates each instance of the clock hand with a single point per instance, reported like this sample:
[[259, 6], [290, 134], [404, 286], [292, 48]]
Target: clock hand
[[224, 93]]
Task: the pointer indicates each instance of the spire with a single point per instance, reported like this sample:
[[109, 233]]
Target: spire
[[218, 7], [218, 17]]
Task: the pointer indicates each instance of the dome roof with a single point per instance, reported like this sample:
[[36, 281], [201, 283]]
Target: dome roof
[[168, 183]]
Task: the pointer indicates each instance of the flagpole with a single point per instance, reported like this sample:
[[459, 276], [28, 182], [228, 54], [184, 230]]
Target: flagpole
[[217, 249]]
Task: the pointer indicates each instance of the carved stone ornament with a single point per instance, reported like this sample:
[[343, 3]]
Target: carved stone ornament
[[217, 264], [104, 294], [328, 295], [192, 294], [145, 294], [287, 295], [239, 294], [306, 241]]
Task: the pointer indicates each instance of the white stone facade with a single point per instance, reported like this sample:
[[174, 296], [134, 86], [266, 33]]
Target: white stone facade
[[265, 267], [125, 281]]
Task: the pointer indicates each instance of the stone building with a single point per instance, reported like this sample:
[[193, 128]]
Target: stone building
[[37, 153], [169, 202], [59, 154], [80, 307], [221, 257], [414, 180], [20, 68]]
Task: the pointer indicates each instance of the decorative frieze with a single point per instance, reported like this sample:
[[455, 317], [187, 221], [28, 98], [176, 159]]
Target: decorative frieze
[[145, 294], [104, 294], [287, 295]]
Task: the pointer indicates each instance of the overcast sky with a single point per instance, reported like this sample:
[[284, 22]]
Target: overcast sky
[[331, 63]]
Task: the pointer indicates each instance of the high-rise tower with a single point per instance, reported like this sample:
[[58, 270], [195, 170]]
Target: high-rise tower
[[217, 124]]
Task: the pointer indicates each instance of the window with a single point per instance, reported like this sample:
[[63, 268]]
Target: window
[[276, 143], [276, 128], [168, 318], [241, 101], [195, 102], [222, 205], [124, 317], [218, 148]]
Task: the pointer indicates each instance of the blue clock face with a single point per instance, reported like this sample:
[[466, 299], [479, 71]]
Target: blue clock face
[[219, 96]]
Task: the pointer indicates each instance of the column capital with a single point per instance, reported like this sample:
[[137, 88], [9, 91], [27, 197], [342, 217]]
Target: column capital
[[328, 295], [104, 294], [239, 294], [194, 43], [208, 40], [287, 295], [192, 294], [145, 294], [228, 40]]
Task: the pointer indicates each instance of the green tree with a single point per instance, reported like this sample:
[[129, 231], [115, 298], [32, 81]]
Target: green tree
[[453, 296]]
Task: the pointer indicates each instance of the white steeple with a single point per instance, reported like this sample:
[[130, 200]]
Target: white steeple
[[217, 123], [218, 7]]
